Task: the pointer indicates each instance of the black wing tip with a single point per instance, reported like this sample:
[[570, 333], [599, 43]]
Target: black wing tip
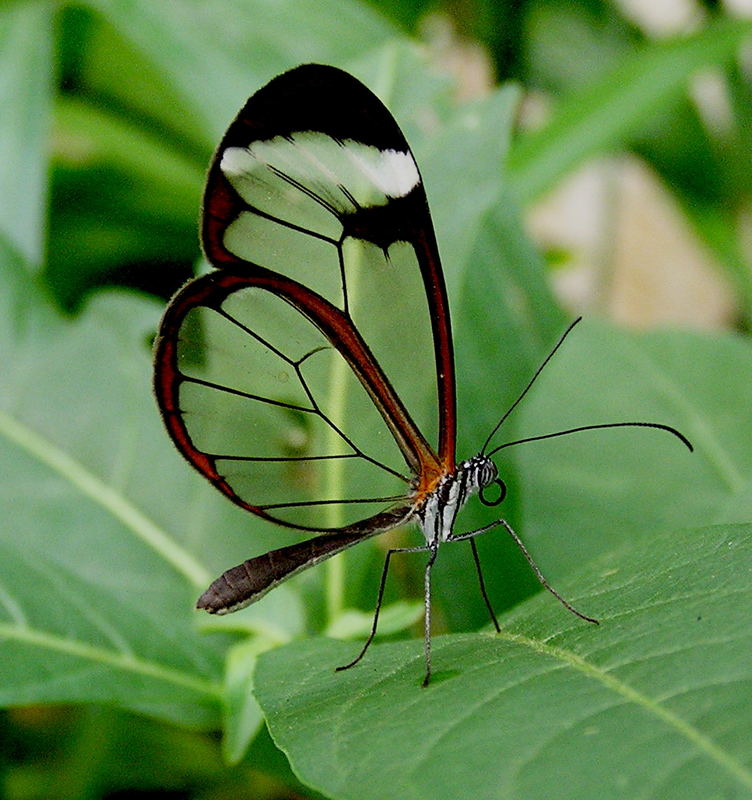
[[316, 69], [316, 97]]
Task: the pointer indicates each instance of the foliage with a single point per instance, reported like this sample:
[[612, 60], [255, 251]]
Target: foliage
[[549, 693], [108, 536]]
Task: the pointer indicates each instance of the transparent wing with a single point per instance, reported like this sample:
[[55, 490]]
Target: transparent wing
[[258, 399], [311, 377]]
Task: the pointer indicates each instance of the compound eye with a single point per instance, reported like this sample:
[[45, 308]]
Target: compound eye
[[493, 501]]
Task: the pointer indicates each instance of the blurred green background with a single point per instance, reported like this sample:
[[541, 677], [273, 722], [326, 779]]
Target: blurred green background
[[580, 156]]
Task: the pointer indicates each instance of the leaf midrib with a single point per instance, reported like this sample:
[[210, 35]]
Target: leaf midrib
[[123, 661], [75, 473], [680, 726]]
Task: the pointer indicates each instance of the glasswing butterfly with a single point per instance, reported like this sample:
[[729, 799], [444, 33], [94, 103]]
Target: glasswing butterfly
[[310, 377]]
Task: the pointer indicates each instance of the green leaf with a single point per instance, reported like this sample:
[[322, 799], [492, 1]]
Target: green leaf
[[96, 591], [104, 542], [213, 54], [653, 703], [606, 114], [507, 319], [706, 168], [584, 494], [26, 75], [243, 717], [567, 44]]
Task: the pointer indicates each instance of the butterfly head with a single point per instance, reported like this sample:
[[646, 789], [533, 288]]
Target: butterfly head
[[482, 474]]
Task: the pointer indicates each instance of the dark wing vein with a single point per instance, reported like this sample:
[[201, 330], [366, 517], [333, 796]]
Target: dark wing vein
[[240, 393], [309, 503]]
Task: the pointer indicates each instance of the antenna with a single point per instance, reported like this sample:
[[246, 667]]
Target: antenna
[[659, 426], [529, 385], [668, 428]]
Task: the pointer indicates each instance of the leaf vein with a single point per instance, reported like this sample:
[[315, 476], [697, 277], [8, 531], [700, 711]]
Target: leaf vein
[[680, 726], [114, 502]]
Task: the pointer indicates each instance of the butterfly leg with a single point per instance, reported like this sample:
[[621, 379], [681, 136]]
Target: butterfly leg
[[471, 537], [536, 570], [379, 598], [433, 548], [482, 585]]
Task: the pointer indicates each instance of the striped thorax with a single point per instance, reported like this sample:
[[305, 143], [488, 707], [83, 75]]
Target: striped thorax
[[439, 510]]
